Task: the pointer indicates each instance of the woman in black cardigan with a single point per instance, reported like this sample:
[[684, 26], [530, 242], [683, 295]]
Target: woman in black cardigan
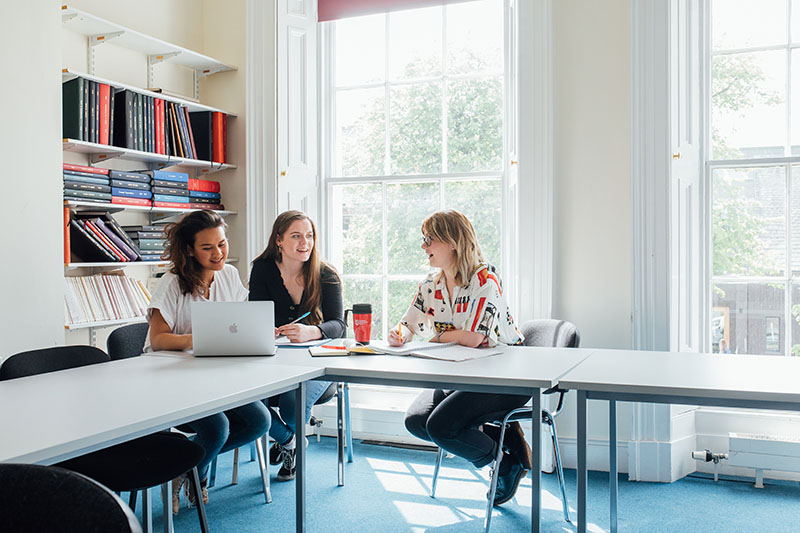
[[290, 274]]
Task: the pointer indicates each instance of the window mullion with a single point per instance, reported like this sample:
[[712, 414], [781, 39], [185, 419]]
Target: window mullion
[[787, 326], [445, 107]]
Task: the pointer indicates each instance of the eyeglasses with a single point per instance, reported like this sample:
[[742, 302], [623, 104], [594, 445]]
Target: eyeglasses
[[427, 240]]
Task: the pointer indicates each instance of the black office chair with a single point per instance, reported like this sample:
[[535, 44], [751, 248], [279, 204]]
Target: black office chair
[[48, 498], [131, 466], [542, 332], [128, 341]]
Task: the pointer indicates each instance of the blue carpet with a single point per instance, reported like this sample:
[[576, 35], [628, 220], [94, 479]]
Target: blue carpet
[[386, 490]]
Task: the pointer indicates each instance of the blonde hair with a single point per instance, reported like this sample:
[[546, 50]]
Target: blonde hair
[[453, 228]]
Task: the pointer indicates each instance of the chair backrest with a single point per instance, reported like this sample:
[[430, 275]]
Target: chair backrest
[[127, 341], [48, 498], [550, 332], [49, 360]]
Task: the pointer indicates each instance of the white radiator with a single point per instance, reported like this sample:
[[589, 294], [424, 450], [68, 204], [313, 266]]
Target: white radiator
[[764, 452]]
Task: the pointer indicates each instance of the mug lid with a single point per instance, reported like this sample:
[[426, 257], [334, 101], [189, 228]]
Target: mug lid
[[362, 309]]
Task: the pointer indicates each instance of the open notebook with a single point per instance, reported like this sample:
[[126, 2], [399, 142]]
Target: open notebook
[[433, 350]]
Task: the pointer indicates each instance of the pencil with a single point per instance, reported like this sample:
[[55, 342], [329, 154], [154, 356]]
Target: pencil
[[400, 332]]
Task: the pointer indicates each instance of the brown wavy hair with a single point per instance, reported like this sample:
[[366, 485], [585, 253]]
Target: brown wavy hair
[[453, 228], [180, 243], [312, 269]]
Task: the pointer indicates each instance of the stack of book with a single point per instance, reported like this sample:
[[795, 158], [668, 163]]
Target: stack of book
[[86, 183], [170, 189], [210, 133], [97, 237], [149, 239], [130, 188], [104, 297], [204, 194], [88, 111]]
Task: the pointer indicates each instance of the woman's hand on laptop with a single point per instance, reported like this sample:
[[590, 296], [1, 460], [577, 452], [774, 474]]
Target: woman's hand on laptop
[[300, 332]]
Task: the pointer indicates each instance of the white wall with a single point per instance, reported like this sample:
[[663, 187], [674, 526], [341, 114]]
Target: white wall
[[31, 286], [592, 240]]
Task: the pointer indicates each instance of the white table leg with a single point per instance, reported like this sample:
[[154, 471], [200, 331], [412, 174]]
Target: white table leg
[[613, 482], [300, 457], [536, 469], [582, 471]]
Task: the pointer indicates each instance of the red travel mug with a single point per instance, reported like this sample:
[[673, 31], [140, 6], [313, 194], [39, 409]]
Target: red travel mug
[[362, 321]]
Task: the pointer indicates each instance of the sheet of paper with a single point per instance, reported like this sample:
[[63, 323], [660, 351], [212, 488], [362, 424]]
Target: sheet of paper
[[407, 348], [455, 353], [284, 342]]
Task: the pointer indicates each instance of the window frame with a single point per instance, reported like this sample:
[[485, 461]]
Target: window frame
[[710, 165], [328, 92]]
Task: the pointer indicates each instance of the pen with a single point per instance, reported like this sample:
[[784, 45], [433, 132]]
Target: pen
[[301, 317]]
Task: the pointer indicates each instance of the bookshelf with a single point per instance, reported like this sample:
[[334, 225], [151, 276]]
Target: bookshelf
[[97, 32]]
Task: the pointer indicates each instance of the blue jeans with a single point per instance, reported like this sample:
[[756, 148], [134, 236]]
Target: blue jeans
[[284, 427], [451, 419], [230, 429]]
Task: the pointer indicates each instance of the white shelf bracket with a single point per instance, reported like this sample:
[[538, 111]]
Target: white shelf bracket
[[203, 73], [66, 18], [98, 39], [153, 60]]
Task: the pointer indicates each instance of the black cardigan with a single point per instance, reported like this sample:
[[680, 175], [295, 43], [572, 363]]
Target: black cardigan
[[266, 284]]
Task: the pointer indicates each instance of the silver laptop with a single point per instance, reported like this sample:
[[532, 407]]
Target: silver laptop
[[233, 328]]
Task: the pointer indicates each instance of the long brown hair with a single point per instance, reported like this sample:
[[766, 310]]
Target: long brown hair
[[312, 284], [453, 228], [180, 243]]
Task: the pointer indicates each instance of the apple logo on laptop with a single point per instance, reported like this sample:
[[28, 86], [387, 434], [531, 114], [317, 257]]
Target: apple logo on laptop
[[233, 328]]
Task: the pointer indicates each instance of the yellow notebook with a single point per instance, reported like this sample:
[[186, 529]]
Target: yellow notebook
[[339, 347]]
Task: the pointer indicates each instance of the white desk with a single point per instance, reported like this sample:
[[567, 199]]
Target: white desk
[[518, 370], [759, 382], [51, 417]]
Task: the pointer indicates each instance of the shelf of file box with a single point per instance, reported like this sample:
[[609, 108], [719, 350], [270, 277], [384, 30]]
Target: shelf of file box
[[103, 152], [121, 264], [104, 323], [99, 31], [114, 208]]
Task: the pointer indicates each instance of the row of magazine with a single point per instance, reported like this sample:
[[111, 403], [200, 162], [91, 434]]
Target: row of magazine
[[104, 297]]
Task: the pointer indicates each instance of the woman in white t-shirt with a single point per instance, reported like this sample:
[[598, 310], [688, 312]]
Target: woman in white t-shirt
[[464, 303], [198, 247]]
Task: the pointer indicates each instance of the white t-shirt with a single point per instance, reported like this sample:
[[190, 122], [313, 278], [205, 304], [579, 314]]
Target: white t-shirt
[[175, 306]]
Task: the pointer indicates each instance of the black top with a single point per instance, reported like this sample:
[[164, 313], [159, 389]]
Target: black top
[[266, 284]]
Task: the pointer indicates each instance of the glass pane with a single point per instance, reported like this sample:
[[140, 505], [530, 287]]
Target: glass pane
[[794, 221], [747, 23], [415, 43], [407, 205], [357, 291], [479, 201], [356, 233], [475, 37], [475, 125], [401, 295], [747, 318], [360, 132], [795, 100], [748, 105], [795, 320], [360, 50], [748, 221], [416, 129], [795, 21]]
